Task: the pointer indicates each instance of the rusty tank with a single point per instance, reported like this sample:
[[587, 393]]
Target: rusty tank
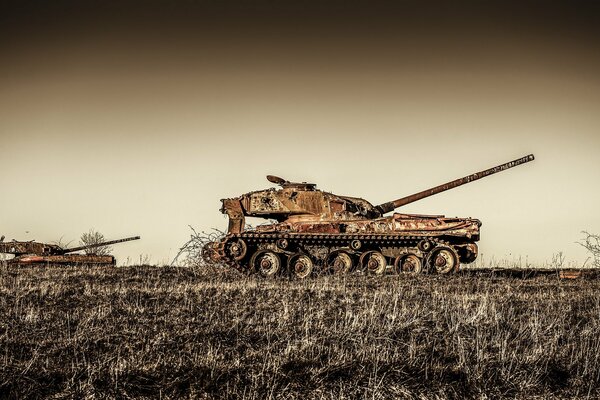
[[317, 231], [32, 252]]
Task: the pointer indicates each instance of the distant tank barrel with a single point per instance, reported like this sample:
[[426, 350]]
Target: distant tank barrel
[[392, 205], [91, 246]]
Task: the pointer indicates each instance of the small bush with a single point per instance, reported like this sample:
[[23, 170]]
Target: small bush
[[592, 243], [93, 238]]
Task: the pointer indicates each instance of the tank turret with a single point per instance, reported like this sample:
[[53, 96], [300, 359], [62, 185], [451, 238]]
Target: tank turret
[[294, 202], [322, 230]]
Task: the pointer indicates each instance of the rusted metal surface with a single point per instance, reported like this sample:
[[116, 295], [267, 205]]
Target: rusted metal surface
[[316, 224], [570, 273], [70, 259], [20, 248], [395, 224], [526, 273], [36, 252], [392, 205]]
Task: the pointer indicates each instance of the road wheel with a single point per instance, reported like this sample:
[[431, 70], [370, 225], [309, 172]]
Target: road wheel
[[266, 263], [373, 262], [339, 262], [408, 264], [300, 266], [443, 260]]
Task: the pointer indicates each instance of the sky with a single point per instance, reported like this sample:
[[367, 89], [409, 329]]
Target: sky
[[137, 118]]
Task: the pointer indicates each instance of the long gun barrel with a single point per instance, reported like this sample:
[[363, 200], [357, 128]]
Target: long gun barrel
[[90, 246], [392, 205]]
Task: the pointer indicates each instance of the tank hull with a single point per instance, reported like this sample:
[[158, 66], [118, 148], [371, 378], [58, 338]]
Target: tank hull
[[66, 259], [396, 224]]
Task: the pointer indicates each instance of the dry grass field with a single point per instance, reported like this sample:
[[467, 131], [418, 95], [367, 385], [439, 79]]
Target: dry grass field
[[161, 332]]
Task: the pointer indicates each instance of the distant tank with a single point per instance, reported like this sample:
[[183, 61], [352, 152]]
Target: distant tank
[[321, 231], [45, 253]]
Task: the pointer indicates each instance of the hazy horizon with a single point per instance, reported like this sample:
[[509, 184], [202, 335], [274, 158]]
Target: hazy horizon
[[137, 121]]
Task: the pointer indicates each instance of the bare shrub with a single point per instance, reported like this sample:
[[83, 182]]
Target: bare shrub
[[93, 238], [592, 243], [558, 260], [196, 251], [62, 243]]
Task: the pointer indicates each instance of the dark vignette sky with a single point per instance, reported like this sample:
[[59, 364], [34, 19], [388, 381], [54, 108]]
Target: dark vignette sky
[[137, 117]]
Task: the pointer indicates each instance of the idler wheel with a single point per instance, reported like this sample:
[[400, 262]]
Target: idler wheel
[[468, 253], [408, 264], [373, 262], [300, 266], [443, 260], [266, 262], [339, 262], [237, 249]]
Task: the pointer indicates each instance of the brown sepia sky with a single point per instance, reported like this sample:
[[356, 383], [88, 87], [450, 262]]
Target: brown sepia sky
[[136, 118]]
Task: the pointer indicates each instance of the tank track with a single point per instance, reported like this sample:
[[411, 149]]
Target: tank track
[[343, 252]]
